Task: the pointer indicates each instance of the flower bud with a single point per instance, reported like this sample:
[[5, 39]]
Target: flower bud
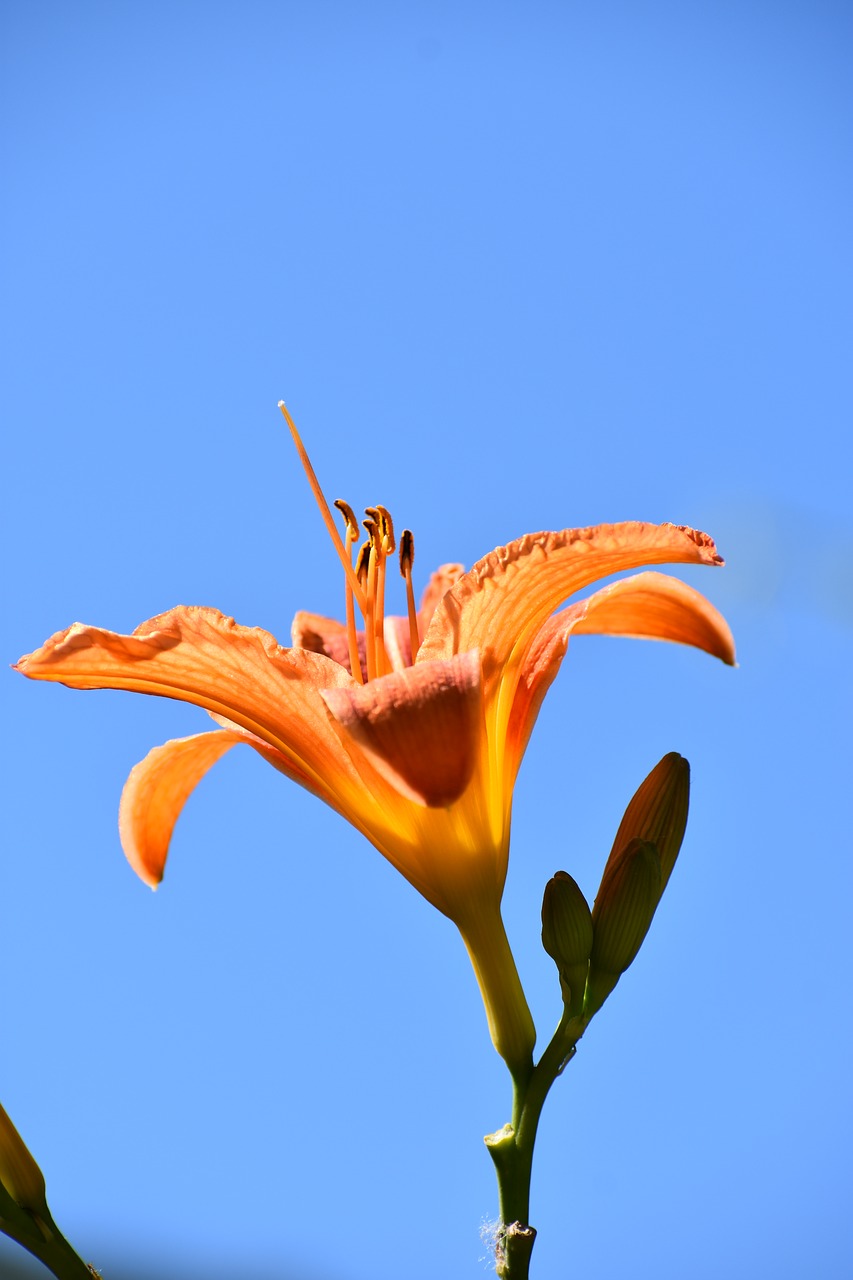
[[566, 922], [658, 813], [19, 1174], [626, 902], [567, 935]]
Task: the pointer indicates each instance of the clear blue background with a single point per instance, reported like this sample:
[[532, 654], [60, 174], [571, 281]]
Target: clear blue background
[[513, 267]]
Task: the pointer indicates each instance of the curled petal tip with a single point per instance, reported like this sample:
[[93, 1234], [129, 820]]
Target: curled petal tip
[[702, 540]]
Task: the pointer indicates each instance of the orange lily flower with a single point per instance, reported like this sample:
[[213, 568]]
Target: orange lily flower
[[414, 729]]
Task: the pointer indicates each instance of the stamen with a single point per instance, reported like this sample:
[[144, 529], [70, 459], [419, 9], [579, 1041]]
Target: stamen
[[324, 508], [361, 565], [407, 559], [348, 515], [381, 531], [389, 545], [370, 613], [352, 635]]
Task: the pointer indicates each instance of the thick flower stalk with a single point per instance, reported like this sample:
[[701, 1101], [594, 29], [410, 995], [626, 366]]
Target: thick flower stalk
[[413, 728]]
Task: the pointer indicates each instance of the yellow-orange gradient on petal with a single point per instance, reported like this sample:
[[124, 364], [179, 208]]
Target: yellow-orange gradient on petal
[[412, 728]]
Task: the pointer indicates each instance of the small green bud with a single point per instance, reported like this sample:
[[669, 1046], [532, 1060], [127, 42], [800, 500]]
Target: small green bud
[[566, 921], [567, 935]]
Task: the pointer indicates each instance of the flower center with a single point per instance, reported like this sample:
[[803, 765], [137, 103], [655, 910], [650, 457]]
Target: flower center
[[364, 580]]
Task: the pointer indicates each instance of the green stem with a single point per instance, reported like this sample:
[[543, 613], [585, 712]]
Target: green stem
[[44, 1241], [511, 1149]]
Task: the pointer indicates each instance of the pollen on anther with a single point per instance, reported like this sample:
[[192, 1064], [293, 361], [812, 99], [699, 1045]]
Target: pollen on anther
[[407, 551], [407, 559], [361, 562], [387, 529], [348, 515]]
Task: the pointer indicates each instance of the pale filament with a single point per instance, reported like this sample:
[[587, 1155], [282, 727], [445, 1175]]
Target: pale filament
[[370, 612], [381, 530]]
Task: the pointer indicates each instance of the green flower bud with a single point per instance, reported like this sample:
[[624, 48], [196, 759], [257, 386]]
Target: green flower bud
[[567, 935], [566, 922]]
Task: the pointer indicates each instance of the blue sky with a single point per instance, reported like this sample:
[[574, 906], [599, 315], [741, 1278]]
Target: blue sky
[[513, 267]]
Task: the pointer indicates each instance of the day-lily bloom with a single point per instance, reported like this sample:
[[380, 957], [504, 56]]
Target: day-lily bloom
[[413, 728]]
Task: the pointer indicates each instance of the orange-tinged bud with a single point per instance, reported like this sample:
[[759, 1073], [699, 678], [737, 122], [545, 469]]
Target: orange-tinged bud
[[658, 813], [567, 936], [626, 902], [20, 1175], [639, 866]]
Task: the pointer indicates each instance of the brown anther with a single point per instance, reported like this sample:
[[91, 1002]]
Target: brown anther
[[361, 562], [373, 532], [348, 515], [407, 551], [387, 530], [407, 558]]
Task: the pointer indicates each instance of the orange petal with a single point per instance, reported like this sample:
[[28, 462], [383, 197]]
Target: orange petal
[[439, 584], [420, 728], [159, 786], [325, 635], [156, 792], [197, 655], [655, 606], [398, 643], [650, 606], [500, 604], [317, 634]]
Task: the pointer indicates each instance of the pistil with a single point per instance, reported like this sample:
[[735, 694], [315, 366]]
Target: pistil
[[324, 509]]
